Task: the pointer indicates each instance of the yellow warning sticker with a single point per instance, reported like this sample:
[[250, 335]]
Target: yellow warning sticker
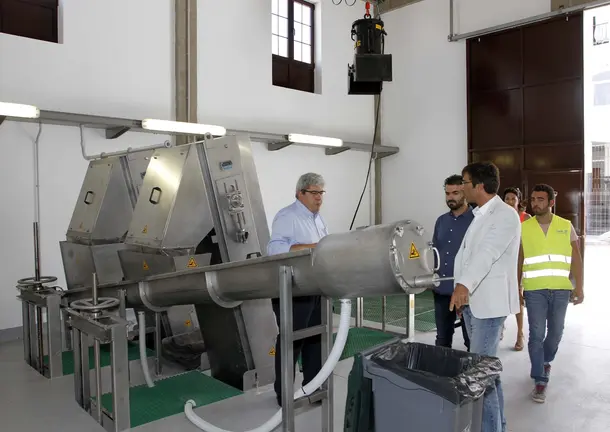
[[378, 27], [413, 252], [272, 352], [187, 323], [192, 263], [145, 230], [144, 265]]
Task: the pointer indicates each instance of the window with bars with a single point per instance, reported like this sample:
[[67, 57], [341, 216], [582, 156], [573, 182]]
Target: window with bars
[[35, 19], [292, 44]]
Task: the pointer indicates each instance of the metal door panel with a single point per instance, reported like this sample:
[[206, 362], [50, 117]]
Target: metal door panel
[[157, 197]]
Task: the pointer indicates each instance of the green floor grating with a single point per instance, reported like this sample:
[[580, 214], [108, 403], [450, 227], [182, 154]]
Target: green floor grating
[[133, 353], [396, 310], [169, 395], [360, 339]]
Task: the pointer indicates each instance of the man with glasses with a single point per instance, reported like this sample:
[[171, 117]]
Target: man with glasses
[[486, 287], [295, 227]]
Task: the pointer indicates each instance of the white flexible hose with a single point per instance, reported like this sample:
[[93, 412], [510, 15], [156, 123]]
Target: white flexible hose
[[142, 343], [325, 372]]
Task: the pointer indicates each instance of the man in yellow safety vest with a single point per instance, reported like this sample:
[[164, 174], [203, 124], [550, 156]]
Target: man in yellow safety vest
[[549, 254]]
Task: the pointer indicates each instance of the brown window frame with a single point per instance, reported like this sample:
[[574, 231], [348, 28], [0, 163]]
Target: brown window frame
[[21, 26], [288, 72]]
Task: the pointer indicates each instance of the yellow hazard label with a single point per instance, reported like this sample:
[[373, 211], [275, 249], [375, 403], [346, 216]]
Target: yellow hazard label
[[358, 43], [272, 352], [192, 263], [413, 252], [144, 265], [187, 323], [145, 230], [378, 27]]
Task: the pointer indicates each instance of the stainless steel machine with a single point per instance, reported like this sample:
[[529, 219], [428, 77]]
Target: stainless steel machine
[[201, 204], [196, 240], [101, 219], [96, 232]]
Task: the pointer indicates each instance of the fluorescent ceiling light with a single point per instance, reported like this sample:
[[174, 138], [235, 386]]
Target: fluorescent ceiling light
[[182, 127], [315, 140], [18, 110]]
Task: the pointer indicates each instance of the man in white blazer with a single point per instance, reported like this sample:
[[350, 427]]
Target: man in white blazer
[[486, 288]]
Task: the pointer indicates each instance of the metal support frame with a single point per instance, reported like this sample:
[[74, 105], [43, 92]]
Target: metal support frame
[[410, 324], [185, 63], [38, 301], [359, 312], [103, 328], [522, 22], [287, 337], [158, 344]]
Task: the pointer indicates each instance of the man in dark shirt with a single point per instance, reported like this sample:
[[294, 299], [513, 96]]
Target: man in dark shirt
[[449, 231]]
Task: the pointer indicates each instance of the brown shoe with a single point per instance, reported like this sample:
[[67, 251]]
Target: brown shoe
[[519, 344]]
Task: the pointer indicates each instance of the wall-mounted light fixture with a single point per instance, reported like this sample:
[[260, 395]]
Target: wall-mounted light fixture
[[315, 140], [18, 110], [170, 126]]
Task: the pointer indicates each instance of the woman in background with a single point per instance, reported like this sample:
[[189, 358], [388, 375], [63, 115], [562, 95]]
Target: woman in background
[[512, 197]]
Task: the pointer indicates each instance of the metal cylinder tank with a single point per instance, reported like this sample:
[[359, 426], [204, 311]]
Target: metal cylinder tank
[[375, 261]]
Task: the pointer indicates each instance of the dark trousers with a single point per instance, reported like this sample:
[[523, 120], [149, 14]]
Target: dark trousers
[[306, 312], [445, 322]]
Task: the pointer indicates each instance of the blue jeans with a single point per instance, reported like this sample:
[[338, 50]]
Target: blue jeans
[[484, 339], [545, 308]]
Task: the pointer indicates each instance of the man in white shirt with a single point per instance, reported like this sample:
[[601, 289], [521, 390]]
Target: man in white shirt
[[300, 226], [486, 288]]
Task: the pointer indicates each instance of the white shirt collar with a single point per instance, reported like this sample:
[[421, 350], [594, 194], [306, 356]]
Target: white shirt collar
[[481, 211]]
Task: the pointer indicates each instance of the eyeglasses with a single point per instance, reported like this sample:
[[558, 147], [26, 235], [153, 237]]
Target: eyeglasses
[[314, 192]]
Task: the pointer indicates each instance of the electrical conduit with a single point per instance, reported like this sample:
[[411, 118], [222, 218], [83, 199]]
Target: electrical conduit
[[321, 377], [142, 344]]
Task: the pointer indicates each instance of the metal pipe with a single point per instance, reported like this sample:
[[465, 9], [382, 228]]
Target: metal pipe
[[451, 18], [287, 348], [98, 380], [36, 229], [384, 303], [165, 144], [158, 343], [97, 359], [94, 290], [39, 318], [531, 20]]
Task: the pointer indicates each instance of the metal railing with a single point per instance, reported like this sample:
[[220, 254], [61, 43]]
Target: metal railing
[[600, 33], [400, 314]]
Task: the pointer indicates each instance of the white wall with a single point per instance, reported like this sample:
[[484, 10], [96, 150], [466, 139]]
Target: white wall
[[424, 108], [472, 15], [238, 92], [116, 59], [125, 70], [344, 174]]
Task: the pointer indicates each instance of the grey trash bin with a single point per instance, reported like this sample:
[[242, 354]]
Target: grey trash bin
[[424, 388]]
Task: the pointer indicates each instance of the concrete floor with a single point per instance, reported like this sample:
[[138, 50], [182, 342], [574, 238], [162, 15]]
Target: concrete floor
[[578, 397]]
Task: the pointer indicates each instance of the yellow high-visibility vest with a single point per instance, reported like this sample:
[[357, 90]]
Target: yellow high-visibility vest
[[546, 259]]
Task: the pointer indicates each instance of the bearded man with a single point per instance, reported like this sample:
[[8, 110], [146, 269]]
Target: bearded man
[[449, 231]]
